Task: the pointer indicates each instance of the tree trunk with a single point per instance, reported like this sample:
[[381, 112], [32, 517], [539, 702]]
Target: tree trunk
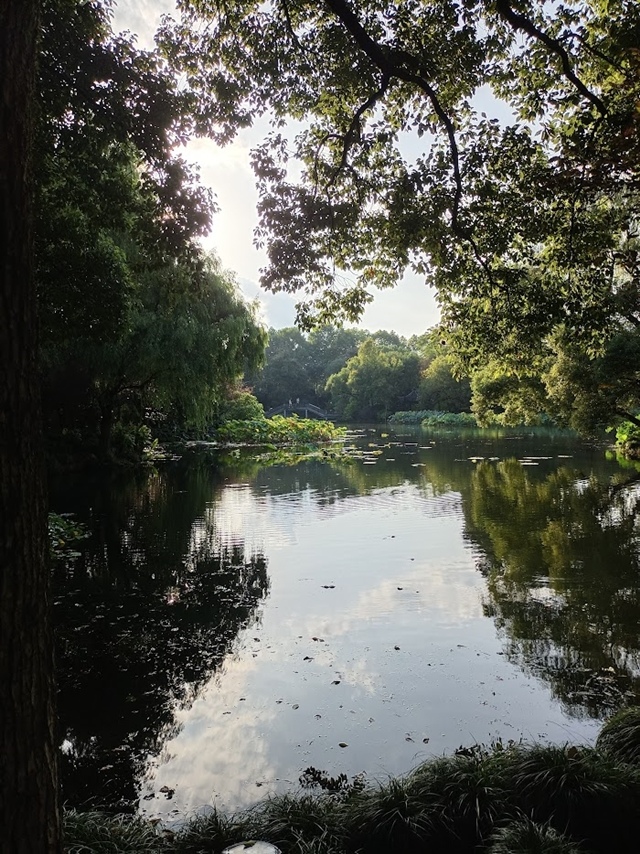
[[29, 813]]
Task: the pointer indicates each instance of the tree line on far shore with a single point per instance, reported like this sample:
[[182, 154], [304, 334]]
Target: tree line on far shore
[[358, 375]]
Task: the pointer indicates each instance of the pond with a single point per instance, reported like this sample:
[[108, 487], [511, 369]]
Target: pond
[[232, 621]]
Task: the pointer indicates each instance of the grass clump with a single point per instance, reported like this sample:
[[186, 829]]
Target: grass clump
[[620, 736], [211, 833], [291, 820], [391, 817], [531, 799], [527, 837], [580, 792], [98, 833]]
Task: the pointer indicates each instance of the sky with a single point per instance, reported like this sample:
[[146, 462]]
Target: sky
[[409, 309]]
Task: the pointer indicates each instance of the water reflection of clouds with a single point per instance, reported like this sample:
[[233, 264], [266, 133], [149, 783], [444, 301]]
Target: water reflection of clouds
[[276, 521], [429, 590], [214, 746], [240, 516], [221, 739], [373, 635], [427, 593]]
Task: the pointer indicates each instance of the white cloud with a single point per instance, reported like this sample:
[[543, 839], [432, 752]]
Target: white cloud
[[141, 17]]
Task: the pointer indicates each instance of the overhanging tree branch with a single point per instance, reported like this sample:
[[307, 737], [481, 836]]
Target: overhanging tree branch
[[387, 62], [520, 22], [354, 127], [394, 64]]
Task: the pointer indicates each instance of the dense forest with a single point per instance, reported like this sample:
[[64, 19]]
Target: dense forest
[[122, 281], [358, 375]]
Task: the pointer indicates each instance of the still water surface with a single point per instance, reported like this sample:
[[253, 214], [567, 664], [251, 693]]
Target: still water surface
[[230, 623]]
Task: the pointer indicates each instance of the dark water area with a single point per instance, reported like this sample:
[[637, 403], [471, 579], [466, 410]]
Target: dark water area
[[230, 621]]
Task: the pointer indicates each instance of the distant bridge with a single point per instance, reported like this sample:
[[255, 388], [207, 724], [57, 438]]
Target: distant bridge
[[306, 409]]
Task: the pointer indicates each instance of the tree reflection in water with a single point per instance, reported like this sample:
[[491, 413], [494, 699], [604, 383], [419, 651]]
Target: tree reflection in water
[[561, 559], [149, 612], [144, 618]]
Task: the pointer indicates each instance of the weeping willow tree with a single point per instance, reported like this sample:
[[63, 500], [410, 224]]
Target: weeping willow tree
[[134, 316]]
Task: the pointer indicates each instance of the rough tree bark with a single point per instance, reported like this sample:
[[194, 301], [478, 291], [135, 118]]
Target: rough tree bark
[[29, 812]]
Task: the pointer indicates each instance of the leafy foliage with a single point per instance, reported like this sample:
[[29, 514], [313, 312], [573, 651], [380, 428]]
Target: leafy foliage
[[525, 225], [65, 533], [134, 316], [433, 418], [440, 389], [375, 382], [277, 431], [297, 365], [240, 405]]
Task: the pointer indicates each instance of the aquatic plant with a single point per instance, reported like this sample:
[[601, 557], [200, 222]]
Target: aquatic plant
[[278, 431], [433, 417], [448, 419], [64, 535]]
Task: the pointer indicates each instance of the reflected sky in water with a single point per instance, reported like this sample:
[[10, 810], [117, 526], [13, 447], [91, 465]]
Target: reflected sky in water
[[394, 620]]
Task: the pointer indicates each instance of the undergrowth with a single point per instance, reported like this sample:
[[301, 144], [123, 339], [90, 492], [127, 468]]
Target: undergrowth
[[531, 799]]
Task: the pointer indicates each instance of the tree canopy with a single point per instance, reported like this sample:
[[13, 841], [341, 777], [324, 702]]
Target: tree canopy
[[376, 382], [297, 365], [526, 227]]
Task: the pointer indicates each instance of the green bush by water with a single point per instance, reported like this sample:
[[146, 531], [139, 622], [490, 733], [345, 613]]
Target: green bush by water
[[434, 418], [620, 736], [278, 431]]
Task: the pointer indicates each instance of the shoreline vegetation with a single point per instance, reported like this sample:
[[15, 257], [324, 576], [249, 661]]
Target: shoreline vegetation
[[501, 799], [278, 430], [140, 445]]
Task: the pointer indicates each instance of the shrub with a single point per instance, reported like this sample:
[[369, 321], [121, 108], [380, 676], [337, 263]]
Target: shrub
[[620, 736], [241, 406], [278, 431], [394, 817], [628, 436], [129, 442], [527, 837], [434, 418]]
